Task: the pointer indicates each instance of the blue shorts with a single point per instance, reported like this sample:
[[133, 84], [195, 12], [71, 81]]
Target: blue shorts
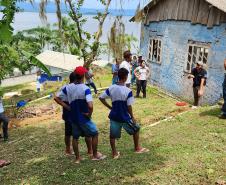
[[116, 128], [87, 129], [68, 128]]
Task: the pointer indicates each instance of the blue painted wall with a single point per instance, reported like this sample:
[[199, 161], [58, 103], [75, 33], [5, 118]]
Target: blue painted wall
[[170, 74]]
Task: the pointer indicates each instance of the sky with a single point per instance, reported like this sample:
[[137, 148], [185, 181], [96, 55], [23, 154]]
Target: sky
[[116, 4]]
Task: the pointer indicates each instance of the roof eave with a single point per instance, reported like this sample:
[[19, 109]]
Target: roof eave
[[154, 2], [145, 9]]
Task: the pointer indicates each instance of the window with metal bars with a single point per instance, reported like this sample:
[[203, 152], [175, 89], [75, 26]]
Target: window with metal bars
[[155, 51], [196, 52]]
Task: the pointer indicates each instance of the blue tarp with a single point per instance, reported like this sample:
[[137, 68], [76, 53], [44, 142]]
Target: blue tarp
[[45, 77], [21, 103]]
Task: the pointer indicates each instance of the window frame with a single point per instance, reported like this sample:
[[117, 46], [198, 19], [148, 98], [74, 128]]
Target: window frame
[[197, 44], [150, 50]]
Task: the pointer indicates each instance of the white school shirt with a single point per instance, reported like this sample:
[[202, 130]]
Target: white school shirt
[[143, 72], [61, 95], [1, 106], [121, 97], [78, 96], [127, 66]]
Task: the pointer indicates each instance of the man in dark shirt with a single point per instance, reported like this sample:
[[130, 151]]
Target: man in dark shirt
[[140, 60], [223, 116], [199, 76]]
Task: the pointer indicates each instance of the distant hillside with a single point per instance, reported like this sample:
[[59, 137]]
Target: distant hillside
[[51, 8]]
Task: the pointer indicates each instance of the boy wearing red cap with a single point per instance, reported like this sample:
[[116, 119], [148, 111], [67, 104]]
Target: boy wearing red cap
[[81, 109], [62, 99]]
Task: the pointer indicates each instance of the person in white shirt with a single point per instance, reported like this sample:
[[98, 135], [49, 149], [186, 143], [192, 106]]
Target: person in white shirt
[[126, 64], [4, 120], [89, 79], [38, 81], [142, 73]]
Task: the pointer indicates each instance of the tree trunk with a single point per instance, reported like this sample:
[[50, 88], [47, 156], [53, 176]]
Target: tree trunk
[[98, 35]]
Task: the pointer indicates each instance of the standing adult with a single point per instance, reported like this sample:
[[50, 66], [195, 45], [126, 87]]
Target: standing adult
[[126, 64], [115, 69], [89, 79], [199, 76], [4, 120], [140, 60], [223, 116], [134, 65], [142, 74]]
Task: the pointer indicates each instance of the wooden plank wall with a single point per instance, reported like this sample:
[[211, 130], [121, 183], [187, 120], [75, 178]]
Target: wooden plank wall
[[196, 11]]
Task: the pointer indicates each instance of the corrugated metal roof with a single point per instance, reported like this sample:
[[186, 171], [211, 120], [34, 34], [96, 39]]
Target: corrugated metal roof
[[220, 4], [64, 61]]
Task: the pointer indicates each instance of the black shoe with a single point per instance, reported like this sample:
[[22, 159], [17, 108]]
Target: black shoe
[[1, 136], [6, 139], [222, 116]]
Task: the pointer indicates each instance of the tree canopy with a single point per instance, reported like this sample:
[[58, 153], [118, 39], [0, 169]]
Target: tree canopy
[[14, 55]]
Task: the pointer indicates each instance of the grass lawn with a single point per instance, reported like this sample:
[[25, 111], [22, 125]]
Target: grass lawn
[[189, 149]]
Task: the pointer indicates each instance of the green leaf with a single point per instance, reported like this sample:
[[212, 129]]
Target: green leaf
[[6, 33]]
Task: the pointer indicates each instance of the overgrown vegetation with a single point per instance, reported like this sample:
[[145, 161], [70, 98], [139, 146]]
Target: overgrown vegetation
[[12, 55], [118, 40], [18, 51], [80, 42]]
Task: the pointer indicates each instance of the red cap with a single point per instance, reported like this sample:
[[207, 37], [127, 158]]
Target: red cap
[[80, 70]]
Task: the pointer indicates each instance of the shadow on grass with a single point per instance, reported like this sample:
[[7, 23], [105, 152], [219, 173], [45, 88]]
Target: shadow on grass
[[215, 112], [37, 158]]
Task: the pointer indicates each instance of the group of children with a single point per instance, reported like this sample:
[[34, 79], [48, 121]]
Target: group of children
[[76, 100]]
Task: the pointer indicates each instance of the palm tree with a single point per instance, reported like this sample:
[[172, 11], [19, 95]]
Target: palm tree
[[42, 35]]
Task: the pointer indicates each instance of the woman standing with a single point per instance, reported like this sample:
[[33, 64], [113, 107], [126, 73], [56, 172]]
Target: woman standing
[[142, 73]]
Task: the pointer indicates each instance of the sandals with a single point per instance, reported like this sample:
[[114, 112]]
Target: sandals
[[99, 157], [4, 163], [116, 156], [142, 150], [71, 153], [77, 161]]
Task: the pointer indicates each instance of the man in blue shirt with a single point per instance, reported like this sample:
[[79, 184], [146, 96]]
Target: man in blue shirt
[[115, 68], [121, 114], [81, 109]]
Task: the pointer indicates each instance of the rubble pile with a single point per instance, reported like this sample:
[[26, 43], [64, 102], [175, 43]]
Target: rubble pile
[[34, 111]]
